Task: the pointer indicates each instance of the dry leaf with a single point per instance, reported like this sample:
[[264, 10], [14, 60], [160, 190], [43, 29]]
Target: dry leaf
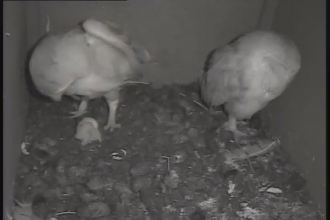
[[264, 146]]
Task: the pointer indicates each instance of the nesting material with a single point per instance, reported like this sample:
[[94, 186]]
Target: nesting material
[[245, 152], [87, 131], [166, 162]]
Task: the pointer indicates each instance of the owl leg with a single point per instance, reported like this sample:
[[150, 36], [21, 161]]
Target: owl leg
[[233, 128], [112, 99], [241, 122], [75, 97], [81, 109]]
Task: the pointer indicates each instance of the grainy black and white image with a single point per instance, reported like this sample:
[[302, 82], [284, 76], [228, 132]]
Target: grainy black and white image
[[142, 110]]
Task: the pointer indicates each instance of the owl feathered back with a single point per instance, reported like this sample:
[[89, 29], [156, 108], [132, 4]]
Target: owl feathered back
[[254, 67]]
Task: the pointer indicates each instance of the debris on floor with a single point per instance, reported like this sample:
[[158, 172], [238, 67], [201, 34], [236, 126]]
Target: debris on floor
[[169, 160]]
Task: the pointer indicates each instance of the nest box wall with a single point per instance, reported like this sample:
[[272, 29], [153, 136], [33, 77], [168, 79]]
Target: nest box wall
[[178, 34], [15, 95], [299, 115]]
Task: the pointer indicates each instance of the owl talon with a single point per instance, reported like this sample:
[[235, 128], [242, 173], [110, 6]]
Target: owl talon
[[76, 114], [81, 109], [238, 135], [112, 126]]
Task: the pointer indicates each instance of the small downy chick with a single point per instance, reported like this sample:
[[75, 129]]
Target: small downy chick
[[87, 131]]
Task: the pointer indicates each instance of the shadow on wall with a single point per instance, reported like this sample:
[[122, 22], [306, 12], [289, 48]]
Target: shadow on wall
[[28, 79], [179, 34], [299, 116], [15, 96]]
